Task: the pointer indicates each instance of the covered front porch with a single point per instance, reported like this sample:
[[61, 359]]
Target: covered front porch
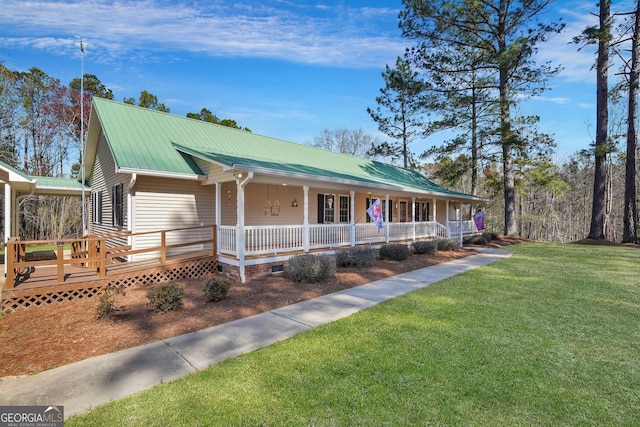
[[273, 221]]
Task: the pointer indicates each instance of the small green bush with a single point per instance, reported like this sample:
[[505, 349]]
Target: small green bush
[[107, 305], [311, 268], [216, 289], [424, 247], [358, 257], [394, 251], [167, 297], [448, 244], [478, 239]]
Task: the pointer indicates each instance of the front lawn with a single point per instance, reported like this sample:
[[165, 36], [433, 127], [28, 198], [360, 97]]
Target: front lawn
[[549, 336]]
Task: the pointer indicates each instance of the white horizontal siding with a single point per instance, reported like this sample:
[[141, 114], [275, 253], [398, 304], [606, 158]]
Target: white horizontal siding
[[163, 204], [103, 178]]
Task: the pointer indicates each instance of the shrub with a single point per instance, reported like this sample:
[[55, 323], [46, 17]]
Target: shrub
[[478, 239], [425, 247], [394, 251], [357, 257], [448, 244], [107, 305], [311, 268], [167, 297], [216, 289]]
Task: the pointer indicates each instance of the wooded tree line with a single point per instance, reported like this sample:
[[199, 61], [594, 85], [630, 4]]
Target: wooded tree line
[[469, 66], [40, 128]]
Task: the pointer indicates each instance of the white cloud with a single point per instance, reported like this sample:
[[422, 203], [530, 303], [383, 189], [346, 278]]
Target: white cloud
[[560, 50], [117, 29]]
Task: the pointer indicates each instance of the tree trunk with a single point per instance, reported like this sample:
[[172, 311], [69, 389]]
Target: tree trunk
[[602, 117], [474, 140], [630, 222], [510, 226]]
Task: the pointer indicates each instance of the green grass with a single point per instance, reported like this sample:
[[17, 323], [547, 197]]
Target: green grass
[[36, 248], [547, 337]]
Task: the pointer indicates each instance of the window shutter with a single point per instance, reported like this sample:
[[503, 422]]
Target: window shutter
[[368, 204], [320, 208]]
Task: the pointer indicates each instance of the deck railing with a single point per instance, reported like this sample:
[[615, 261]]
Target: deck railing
[[262, 240], [99, 251]]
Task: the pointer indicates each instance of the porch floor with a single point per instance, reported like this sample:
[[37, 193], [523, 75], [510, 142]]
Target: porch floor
[[47, 276]]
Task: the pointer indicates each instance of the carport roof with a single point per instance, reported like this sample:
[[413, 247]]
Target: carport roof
[[40, 185]]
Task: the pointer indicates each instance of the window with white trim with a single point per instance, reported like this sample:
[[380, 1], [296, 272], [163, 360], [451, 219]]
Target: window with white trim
[[344, 212]]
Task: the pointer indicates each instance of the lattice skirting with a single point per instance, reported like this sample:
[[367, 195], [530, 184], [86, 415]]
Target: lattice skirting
[[17, 298]]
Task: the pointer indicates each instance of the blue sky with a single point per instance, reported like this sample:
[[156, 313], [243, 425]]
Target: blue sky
[[285, 69]]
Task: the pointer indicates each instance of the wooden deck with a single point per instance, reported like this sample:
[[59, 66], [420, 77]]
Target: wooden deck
[[92, 265], [41, 287], [47, 275]]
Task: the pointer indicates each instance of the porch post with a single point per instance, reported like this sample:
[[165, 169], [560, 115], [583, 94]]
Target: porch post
[[352, 215], [305, 222], [433, 210], [386, 218], [413, 218], [460, 224], [446, 218], [7, 220], [240, 238], [218, 215], [240, 222]]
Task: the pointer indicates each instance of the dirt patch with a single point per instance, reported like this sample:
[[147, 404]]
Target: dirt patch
[[40, 338]]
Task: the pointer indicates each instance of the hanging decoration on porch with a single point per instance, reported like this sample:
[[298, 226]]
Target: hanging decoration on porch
[[272, 209], [275, 208], [375, 212]]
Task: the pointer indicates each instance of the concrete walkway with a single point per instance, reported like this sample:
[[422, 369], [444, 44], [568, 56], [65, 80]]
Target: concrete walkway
[[83, 385]]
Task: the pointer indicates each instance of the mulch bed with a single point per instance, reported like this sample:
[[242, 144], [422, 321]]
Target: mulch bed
[[40, 338]]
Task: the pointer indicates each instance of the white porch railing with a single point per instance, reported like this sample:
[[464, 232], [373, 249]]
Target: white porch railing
[[368, 233], [260, 240], [271, 239], [401, 231], [329, 235], [467, 227], [431, 228], [227, 239]]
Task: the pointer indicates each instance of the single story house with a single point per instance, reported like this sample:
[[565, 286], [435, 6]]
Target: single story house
[[267, 198]]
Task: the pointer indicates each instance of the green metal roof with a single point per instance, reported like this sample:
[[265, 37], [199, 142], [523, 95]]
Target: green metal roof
[[43, 184], [49, 184], [9, 168], [148, 140]]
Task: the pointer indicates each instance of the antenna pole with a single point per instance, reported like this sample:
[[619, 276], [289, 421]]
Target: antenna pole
[[84, 221]]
